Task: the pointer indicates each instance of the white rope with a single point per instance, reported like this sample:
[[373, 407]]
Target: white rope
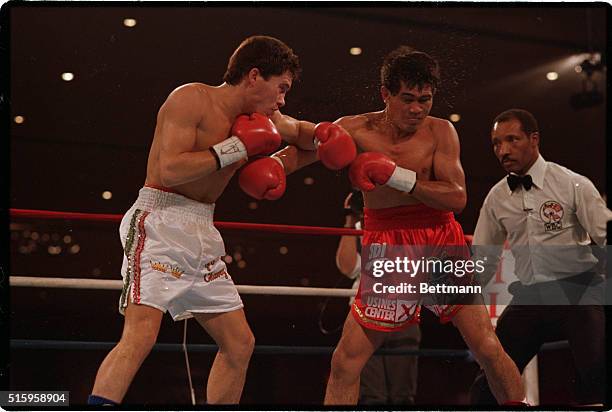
[[75, 283], [184, 345]]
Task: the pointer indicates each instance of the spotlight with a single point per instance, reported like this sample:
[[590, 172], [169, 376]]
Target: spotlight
[[591, 64], [589, 96]]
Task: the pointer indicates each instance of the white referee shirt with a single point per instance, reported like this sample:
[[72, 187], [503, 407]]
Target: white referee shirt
[[547, 227]]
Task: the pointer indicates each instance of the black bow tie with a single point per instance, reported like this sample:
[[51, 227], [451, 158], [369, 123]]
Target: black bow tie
[[514, 181]]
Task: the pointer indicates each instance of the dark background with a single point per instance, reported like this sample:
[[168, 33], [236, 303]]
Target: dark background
[[92, 134]]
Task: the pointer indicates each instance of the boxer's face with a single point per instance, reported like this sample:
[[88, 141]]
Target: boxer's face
[[409, 107], [268, 96], [515, 150]]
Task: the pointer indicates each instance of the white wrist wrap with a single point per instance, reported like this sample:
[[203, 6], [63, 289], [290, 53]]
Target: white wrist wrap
[[279, 161], [402, 179], [230, 151]]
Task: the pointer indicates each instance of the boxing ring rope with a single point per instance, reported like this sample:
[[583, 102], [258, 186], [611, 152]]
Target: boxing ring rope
[[210, 348], [259, 227], [105, 284]]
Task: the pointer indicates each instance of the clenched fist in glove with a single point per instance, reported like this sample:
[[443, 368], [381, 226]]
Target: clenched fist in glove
[[335, 146], [372, 168], [251, 135], [264, 178]]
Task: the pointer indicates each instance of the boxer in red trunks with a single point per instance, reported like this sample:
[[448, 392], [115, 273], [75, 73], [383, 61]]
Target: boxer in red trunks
[[413, 182]]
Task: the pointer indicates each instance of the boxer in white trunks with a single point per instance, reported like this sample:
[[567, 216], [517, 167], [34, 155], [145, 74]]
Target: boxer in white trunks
[[172, 250]]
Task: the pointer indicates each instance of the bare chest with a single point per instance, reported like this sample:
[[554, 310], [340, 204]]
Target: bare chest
[[214, 128], [414, 153]]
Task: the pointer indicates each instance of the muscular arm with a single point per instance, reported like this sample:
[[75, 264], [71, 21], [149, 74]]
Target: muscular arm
[[447, 192], [177, 122], [299, 133], [294, 159]]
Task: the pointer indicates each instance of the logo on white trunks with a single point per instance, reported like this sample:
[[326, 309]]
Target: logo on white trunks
[[210, 264], [175, 271], [551, 213], [209, 277]]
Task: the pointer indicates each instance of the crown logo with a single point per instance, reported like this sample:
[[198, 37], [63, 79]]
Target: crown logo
[[160, 267], [176, 271]]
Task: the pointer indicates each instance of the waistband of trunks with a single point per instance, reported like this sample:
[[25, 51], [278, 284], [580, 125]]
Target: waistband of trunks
[[162, 199], [405, 217]]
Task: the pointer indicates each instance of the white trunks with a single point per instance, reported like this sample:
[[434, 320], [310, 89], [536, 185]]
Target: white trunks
[[173, 257]]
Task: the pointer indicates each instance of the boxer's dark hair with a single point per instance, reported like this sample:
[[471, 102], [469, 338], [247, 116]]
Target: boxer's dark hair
[[271, 56], [528, 122], [414, 68]]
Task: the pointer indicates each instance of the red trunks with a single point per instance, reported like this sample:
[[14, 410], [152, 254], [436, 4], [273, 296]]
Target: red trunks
[[412, 229]]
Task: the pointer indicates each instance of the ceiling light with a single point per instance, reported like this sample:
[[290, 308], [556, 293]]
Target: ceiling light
[[129, 22], [454, 117], [283, 250], [308, 181], [355, 51], [67, 76], [552, 76], [19, 119], [107, 195]]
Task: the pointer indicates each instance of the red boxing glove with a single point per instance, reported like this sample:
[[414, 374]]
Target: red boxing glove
[[372, 168], [263, 179], [257, 132], [335, 146], [251, 135]]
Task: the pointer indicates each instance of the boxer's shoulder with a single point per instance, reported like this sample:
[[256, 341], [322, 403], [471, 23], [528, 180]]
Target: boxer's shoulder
[[360, 124], [439, 127], [195, 89], [192, 95], [437, 123], [352, 123]]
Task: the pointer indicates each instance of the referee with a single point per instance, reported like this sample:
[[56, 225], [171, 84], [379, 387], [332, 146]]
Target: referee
[[550, 217]]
